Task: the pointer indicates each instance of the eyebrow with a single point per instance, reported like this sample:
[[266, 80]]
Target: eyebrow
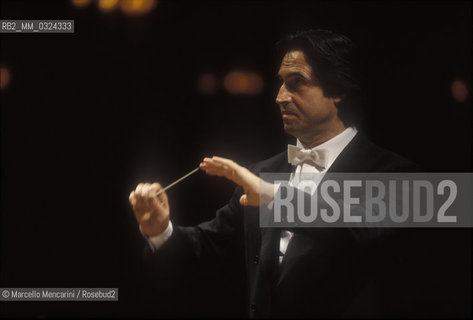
[[293, 74]]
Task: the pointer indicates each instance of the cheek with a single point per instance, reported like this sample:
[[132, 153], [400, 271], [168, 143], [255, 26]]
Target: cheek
[[305, 105], [316, 108], [308, 105]]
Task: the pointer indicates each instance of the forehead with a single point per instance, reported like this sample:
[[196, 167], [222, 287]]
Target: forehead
[[295, 62]]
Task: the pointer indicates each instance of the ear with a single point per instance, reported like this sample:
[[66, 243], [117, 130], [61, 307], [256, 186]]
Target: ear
[[337, 100]]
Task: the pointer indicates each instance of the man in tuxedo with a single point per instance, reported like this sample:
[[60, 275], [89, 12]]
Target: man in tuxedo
[[319, 272]]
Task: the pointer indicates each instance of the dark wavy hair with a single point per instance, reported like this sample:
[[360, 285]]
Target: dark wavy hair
[[336, 66]]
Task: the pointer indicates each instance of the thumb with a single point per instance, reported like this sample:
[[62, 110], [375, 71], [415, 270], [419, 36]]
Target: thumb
[[244, 200]]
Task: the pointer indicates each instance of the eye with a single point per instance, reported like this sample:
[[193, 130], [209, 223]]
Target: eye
[[295, 82]]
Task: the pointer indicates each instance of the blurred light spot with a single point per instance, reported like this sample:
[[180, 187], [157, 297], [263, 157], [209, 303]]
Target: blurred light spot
[[238, 82], [459, 91], [80, 3], [207, 84], [4, 77], [107, 5], [137, 6]]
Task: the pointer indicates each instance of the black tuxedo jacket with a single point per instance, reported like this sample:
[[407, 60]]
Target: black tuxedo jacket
[[326, 272]]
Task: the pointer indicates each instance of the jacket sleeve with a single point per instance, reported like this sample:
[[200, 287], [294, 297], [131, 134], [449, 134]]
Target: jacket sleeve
[[187, 274], [221, 237]]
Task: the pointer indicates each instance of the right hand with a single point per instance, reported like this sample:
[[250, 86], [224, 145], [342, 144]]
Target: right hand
[[151, 212], [255, 189]]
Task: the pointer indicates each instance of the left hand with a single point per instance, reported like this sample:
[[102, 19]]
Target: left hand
[[255, 188]]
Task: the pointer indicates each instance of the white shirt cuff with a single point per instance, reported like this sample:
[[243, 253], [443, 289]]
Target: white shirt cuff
[[158, 240]]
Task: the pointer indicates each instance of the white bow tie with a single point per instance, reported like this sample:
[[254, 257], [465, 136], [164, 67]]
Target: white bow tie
[[297, 155]]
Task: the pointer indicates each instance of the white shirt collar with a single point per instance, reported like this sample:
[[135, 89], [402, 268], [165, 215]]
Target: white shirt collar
[[335, 145]]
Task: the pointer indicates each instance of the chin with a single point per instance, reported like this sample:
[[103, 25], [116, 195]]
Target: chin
[[290, 130]]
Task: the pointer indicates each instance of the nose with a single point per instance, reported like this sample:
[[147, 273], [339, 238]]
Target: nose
[[283, 98]]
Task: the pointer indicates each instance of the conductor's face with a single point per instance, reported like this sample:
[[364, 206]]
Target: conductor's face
[[306, 112]]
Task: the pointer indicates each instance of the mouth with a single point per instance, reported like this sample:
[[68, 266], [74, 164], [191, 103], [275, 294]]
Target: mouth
[[288, 114]]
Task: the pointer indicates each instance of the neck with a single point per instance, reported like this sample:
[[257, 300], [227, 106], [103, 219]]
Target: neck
[[320, 137]]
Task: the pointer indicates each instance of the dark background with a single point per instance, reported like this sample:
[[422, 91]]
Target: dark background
[[89, 115]]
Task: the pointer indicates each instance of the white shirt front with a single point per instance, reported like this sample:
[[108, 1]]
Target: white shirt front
[[332, 148]]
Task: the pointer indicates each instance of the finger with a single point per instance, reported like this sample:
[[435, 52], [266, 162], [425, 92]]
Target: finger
[[215, 160], [222, 172], [225, 167], [163, 199], [210, 166], [155, 188], [214, 173], [220, 159], [132, 198], [206, 162], [233, 168], [144, 190], [138, 191], [226, 162], [228, 168], [244, 200], [149, 195], [154, 201]]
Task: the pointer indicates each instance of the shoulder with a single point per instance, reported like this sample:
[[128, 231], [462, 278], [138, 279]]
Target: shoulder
[[384, 159], [362, 155]]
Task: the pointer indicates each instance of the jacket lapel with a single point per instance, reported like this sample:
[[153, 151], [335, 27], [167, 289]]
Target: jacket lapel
[[270, 237]]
